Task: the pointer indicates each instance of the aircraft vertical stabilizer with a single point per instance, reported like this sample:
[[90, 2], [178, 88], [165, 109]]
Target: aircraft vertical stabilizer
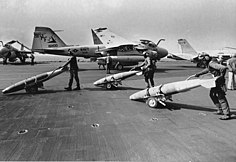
[[96, 40], [185, 47], [44, 38]]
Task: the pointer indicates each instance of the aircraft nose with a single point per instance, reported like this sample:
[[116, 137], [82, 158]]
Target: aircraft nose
[[162, 52]]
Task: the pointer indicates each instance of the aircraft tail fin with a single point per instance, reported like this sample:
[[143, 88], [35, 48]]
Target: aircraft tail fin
[[96, 39], [45, 37], [185, 47]]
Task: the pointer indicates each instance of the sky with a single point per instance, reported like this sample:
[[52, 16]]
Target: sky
[[206, 24]]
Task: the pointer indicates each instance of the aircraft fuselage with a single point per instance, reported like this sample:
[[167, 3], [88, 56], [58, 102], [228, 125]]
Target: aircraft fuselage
[[85, 51]]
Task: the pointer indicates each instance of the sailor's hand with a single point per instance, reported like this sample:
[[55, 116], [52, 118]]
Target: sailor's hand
[[65, 68], [133, 68], [197, 75]]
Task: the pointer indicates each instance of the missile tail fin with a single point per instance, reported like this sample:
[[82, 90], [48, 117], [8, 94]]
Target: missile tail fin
[[210, 83]]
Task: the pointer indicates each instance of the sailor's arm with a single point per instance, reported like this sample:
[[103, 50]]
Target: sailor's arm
[[142, 64], [205, 71]]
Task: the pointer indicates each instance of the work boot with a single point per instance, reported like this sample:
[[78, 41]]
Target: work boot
[[225, 117], [68, 88], [77, 88], [218, 112]]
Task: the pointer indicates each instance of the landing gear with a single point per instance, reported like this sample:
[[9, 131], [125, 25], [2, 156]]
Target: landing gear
[[119, 67], [4, 61]]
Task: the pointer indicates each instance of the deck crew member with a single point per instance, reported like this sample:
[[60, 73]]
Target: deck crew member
[[109, 63], [231, 64], [73, 74], [217, 94], [148, 67]]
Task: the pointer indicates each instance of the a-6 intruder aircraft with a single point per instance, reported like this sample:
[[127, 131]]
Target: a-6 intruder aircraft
[[47, 41], [189, 53], [124, 52], [11, 54]]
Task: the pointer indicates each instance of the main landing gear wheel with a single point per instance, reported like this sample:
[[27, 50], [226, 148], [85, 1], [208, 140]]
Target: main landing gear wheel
[[32, 89], [152, 102], [109, 86], [119, 67]]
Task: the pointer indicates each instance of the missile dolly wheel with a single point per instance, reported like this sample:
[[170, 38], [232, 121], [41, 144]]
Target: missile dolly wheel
[[152, 102], [32, 89], [109, 86]]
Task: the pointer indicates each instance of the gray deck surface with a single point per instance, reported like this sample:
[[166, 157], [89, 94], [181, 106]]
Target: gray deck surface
[[60, 123]]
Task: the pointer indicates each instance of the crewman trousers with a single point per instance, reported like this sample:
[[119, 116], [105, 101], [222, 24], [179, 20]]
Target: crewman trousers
[[148, 76], [231, 81], [74, 74], [218, 97]]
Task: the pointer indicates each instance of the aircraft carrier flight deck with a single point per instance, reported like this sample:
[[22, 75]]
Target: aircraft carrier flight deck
[[98, 124]]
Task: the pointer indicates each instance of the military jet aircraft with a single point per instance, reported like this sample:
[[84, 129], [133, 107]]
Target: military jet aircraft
[[47, 41], [189, 53], [122, 51], [11, 54]]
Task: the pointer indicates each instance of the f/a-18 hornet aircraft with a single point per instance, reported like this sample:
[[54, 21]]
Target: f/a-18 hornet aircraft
[[47, 41], [124, 52], [11, 54]]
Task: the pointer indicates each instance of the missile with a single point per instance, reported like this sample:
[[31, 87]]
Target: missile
[[32, 84], [114, 80], [161, 93]]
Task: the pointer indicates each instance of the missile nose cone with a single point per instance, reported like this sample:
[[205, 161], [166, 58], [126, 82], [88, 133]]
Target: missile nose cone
[[131, 97], [5, 91], [95, 83]]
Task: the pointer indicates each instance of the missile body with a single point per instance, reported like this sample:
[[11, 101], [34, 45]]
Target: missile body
[[173, 88], [34, 81], [114, 79]]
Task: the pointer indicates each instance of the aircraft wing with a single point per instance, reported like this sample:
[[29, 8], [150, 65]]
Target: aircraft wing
[[109, 39], [25, 52], [181, 56], [233, 48]]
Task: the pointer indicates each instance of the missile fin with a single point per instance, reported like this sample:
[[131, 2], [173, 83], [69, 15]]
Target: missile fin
[[209, 83]]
